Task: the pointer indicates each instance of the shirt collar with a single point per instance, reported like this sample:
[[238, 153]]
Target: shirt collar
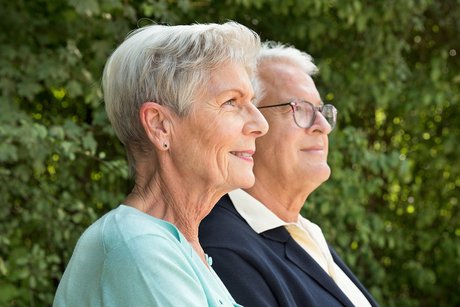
[[259, 217]]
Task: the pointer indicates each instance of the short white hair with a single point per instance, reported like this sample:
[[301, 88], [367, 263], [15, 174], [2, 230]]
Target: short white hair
[[275, 52], [169, 65]]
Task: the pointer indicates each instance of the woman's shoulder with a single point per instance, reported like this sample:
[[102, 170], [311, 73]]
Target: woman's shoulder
[[125, 225]]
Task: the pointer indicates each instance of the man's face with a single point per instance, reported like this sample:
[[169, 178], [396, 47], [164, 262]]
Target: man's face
[[289, 155]]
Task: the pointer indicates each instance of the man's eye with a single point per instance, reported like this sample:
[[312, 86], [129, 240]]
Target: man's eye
[[231, 102]]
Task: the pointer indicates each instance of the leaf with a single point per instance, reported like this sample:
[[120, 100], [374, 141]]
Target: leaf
[[89, 143], [85, 7]]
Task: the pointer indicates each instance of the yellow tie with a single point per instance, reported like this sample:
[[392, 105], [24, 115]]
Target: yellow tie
[[304, 239]]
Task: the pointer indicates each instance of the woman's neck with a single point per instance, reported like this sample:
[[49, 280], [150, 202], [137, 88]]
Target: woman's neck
[[169, 200]]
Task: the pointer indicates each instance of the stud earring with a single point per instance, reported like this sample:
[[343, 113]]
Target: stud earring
[[165, 145]]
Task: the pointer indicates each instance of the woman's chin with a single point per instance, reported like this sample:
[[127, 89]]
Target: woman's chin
[[244, 182]]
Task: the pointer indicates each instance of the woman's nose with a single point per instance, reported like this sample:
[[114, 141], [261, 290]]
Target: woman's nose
[[257, 124]]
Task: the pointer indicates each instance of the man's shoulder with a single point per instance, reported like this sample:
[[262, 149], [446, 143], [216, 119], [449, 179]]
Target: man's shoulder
[[224, 226], [223, 213]]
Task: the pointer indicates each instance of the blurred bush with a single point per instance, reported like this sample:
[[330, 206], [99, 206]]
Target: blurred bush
[[391, 207]]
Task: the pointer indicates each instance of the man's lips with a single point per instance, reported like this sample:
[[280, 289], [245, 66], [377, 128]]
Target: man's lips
[[313, 149], [244, 154]]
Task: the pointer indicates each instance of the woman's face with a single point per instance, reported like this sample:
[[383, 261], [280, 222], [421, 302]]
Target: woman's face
[[215, 142]]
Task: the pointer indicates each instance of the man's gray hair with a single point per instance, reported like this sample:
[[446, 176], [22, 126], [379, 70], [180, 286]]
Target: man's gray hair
[[169, 65], [275, 52]]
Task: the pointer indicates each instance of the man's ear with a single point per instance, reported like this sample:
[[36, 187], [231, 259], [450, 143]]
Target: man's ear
[[155, 120]]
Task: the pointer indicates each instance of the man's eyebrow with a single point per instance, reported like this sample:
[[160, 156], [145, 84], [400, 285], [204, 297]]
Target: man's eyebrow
[[321, 103]]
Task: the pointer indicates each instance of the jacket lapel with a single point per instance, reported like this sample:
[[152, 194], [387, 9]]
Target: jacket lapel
[[306, 263], [352, 277]]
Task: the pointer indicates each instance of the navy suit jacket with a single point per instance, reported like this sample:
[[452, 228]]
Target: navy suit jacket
[[268, 269]]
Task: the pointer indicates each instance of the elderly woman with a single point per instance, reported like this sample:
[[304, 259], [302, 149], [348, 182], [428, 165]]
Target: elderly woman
[[180, 100], [266, 253]]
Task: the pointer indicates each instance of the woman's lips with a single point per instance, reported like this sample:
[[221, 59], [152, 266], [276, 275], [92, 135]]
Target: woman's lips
[[244, 154]]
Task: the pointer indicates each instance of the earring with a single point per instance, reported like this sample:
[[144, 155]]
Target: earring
[[165, 145]]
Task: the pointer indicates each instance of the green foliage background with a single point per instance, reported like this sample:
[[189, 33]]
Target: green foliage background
[[392, 68]]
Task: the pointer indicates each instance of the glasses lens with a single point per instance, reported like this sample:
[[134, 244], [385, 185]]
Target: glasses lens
[[330, 114], [304, 114]]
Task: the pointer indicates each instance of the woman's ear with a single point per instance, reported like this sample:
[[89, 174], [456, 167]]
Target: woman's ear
[[155, 119]]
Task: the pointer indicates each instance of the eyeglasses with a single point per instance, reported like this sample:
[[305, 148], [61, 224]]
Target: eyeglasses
[[304, 112]]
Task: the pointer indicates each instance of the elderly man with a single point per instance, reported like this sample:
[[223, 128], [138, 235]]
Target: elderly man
[[264, 251]]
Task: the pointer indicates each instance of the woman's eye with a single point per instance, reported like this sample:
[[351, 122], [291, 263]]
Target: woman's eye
[[231, 102]]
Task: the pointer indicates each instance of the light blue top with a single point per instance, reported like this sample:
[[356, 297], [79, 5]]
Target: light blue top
[[129, 258]]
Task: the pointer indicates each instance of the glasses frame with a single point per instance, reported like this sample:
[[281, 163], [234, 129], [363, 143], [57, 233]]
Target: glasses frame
[[316, 109]]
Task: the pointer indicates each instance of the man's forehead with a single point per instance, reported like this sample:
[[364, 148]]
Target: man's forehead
[[283, 90]]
